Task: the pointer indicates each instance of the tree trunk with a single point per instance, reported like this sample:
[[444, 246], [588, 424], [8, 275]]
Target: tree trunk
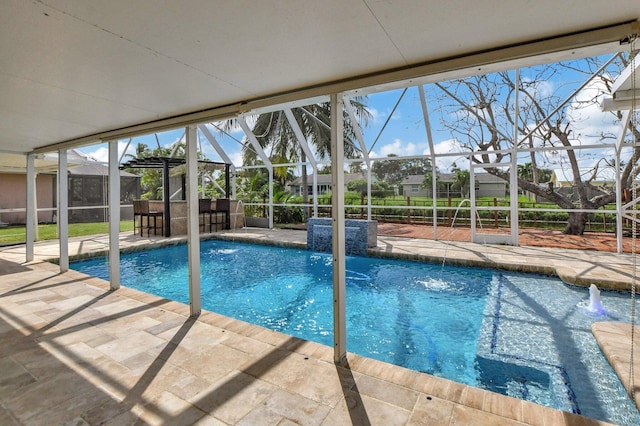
[[576, 223]]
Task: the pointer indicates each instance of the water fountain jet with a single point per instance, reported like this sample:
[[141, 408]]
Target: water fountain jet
[[595, 304]]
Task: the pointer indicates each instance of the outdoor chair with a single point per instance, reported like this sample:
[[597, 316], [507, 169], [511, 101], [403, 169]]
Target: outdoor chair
[[141, 209], [223, 206]]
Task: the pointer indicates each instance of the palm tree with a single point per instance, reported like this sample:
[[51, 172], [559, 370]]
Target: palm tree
[[273, 130]]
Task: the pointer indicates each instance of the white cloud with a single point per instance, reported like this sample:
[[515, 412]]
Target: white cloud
[[100, 152], [448, 146], [375, 116], [236, 158], [591, 125], [400, 149]]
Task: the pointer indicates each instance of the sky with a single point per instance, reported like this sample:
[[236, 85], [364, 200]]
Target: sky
[[403, 133]]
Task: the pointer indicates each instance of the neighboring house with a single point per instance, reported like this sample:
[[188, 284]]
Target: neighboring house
[[87, 187], [562, 181], [323, 183], [487, 185], [561, 178]]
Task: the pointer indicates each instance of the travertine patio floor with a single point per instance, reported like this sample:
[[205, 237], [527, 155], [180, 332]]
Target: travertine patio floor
[[73, 352]]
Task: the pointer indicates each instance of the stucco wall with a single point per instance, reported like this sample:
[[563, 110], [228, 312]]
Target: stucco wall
[[13, 190]]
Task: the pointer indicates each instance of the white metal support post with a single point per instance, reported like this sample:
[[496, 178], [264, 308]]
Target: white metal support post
[[256, 146], [513, 175], [624, 123], [337, 217], [32, 214], [307, 152], [363, 148], [221, 152], [193, 230], [63, 210], [434, 174], [114, 216]]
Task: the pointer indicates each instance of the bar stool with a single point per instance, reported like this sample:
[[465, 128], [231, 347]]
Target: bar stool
[[223, 205], [204, 209], [141, 209]]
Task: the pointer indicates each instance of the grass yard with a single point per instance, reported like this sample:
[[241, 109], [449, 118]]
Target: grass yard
[[17, 234]]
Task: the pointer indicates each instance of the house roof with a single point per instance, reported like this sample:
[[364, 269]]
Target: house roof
[[96, 169], [450, 177], [325, 179], [77, 72]]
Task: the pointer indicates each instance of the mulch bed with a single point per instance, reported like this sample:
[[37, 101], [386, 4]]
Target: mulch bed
[[598, 241]]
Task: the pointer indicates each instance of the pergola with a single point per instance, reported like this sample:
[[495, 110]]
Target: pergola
[[167, 163]]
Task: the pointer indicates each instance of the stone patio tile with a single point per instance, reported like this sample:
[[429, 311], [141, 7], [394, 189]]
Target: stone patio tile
[[68, 410], [120, 327], [102, 412], [512, 408], [164, 324], [210, 363], [13, 376], [532, 414], [125, 347], [6, 418], [245, 344], [31, 400], [473, 397], [168, 409], [73, 303], [233, 396], [76, 335], [116, 306], [456, 392], [357, 409], [296, 373], [493, 403], [470, 416], [139, 362], [281, 405], [208, 420], [431, 411], [385, 391], [188, 385]]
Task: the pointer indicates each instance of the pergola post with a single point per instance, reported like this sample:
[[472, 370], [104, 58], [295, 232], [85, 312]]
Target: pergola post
[[337, 218], [193, 232], [114, 216], [32, 214], [63, 210]]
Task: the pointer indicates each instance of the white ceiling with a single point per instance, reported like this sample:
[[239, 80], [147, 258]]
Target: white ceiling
[[75, 68]]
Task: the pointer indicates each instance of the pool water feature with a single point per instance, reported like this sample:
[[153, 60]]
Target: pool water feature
[[522, 335]]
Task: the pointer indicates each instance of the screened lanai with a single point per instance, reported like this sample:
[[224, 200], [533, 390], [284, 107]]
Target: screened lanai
[[497, 160], [76, 75]]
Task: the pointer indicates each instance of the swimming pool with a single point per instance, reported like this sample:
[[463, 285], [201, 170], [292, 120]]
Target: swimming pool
[[523, 335]]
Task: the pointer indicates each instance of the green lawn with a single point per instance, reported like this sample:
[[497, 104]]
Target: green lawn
[[17, 234]]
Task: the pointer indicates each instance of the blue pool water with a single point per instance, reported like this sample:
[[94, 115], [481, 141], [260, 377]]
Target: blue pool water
[[522, 335]]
